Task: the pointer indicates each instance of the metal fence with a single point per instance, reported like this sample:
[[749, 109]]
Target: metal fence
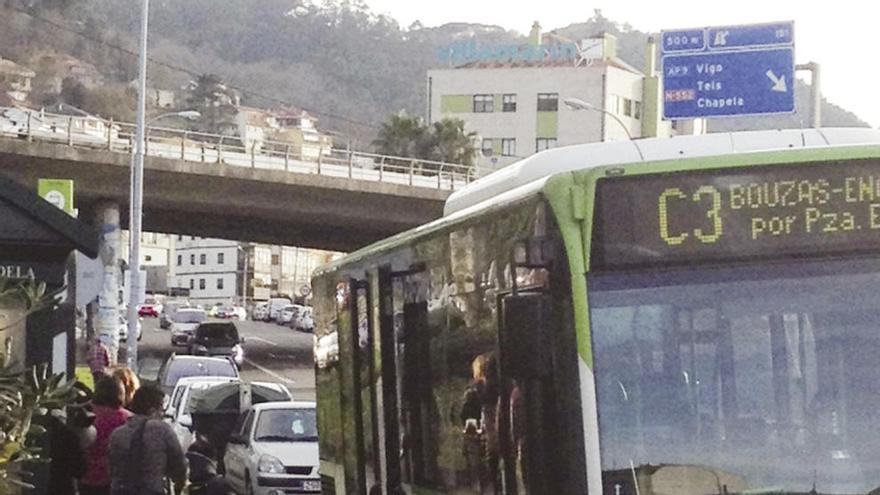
[[95, 133]]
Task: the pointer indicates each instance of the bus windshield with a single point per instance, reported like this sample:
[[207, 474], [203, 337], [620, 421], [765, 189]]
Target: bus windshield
[[754, 379]]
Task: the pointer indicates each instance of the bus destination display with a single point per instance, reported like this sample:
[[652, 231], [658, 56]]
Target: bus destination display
[[735, 214]]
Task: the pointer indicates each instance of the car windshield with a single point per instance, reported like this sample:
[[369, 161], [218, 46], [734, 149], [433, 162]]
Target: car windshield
[[201, 367], [190, 316], [287, 425], [758, 379], [219, 333]]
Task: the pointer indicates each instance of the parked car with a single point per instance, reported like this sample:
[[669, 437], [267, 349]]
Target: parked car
[[178, 413], [240, 312], [274, 444], [217, 339], [151, 307], [123, 329], [180, 408], [231, 312], [287, 314], [276, 304], [169, 309], [177, 367], [213, 310], [303, 321], [260, 312], [184, 323]]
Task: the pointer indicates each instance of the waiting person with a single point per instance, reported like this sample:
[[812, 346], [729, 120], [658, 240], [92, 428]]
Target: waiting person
[[203, 476], [98, 358], [145, 452], [109, 415], [130, 383]]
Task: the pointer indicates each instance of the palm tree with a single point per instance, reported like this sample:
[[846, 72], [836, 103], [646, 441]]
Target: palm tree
[[444, 141], [403, 135], [451, 143]]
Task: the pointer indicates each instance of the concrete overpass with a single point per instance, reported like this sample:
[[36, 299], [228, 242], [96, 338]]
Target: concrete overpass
[[220, 191]]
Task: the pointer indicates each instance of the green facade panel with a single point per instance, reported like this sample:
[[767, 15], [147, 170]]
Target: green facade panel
[[548, 125], [456, 104]]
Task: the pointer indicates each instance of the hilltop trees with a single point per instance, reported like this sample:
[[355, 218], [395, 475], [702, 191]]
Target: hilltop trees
[[216, 103]]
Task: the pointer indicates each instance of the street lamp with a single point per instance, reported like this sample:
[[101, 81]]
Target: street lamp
[[136, 200], [578, 104]]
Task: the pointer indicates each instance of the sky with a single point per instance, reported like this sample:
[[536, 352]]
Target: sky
[[838, 35]]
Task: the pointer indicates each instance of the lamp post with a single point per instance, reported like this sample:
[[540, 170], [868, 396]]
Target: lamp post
[[137, 201], [578, 104], [136, 195]]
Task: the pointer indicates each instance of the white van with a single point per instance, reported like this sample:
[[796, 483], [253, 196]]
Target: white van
[[276, 304]]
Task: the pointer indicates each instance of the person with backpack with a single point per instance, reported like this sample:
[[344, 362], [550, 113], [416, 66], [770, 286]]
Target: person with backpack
[[144, 453]]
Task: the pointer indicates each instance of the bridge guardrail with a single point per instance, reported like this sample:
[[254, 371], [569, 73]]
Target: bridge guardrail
[[96, 133]]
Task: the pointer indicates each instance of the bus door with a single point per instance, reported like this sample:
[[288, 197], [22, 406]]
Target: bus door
[[359, 390], [527, 417]]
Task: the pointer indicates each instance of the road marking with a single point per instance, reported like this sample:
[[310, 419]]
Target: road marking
[[264, 340], [269, 372]]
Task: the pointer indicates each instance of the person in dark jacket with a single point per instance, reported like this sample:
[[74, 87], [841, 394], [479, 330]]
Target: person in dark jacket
[[144, 453], [61, 445], [203, 476]]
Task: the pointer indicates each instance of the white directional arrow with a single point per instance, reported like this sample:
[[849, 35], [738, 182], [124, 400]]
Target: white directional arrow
[[778, 82]]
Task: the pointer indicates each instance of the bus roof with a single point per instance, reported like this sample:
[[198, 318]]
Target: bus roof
[[538, 167], [527, 177]]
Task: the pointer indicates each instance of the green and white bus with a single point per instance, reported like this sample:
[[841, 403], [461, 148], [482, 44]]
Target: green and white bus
[[693, 315]]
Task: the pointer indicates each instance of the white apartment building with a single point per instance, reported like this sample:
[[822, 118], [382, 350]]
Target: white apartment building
[[209, 268], [155, 251], [516, 105]]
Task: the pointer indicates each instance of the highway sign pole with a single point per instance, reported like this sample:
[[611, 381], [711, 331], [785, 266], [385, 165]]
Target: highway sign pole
[[137, 192], [815, 93]]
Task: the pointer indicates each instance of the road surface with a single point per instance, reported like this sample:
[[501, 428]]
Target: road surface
[[272, 354]]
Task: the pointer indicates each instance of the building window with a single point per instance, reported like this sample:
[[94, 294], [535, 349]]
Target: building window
[[202, 283], [637, 110], [276, 260], [203, 259], [548, 102], [192, 284], [627, 107], [545, 144], [616, 104], [508, 147], [148, 258], [484, 103], [220, 284], [487, 147], [180, 238], [219, 258], [179, 259], [508, 103], [192, 259]]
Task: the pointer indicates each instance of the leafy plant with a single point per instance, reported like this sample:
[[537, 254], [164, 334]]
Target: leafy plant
[[24, 393]]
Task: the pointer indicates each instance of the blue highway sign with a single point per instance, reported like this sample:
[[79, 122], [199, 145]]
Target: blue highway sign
[[728, 71]]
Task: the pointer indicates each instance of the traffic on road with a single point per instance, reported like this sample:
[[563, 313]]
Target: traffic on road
[[240, 394]]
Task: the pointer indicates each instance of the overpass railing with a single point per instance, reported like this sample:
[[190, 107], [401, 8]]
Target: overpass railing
[[307, 157]]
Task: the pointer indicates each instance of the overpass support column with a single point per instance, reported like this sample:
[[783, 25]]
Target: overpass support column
[[107, 318]]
